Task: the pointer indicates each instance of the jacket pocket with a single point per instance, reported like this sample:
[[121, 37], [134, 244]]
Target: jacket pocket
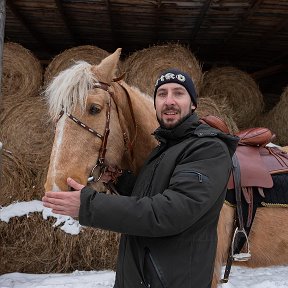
[[153, 275], [196, 175]]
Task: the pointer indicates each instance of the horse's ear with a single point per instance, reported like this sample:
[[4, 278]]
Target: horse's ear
[[107, 68]]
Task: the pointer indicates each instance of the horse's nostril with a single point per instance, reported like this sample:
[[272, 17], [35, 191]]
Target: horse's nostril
[[71, 188]]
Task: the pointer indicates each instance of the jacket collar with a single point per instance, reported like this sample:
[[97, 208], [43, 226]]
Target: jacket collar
[[180, 131]]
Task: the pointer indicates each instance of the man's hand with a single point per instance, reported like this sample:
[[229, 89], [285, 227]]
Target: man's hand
[[64, 202]]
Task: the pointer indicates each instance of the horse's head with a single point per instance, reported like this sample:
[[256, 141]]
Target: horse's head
[[81, 103]]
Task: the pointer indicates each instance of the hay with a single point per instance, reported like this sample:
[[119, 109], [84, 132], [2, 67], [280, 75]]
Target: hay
[[16, 180], [285, 149], [28, 132], [276, 120], [208, 106], [32, 245], [22, 73], [64, 60], [238, 89], [143, 67]]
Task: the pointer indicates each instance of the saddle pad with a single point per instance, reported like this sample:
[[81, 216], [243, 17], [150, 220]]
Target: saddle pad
[[277, 196], [253, 170]]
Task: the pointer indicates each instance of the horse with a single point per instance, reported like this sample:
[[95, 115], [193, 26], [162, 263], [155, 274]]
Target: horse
[[101, 121]]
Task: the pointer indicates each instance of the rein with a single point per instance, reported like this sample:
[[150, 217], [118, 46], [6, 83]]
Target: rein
[[128, 144], [104, 137]]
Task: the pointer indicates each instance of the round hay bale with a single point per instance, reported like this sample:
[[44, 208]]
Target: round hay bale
[[208, 106], [276, 120], [64, 60], [28, 132], [32, 245], [16, 180], [22, 73], [238, 89], [144, 67]]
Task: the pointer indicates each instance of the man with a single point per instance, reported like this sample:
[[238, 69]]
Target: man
[[169, 220]]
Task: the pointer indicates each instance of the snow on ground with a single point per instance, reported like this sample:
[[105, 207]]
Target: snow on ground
[[271, 277]]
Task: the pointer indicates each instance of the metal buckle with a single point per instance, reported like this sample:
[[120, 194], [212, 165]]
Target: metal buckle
[[103, 168], [242, 256]]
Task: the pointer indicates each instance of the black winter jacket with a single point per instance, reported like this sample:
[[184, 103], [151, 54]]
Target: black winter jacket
[[169, 223]]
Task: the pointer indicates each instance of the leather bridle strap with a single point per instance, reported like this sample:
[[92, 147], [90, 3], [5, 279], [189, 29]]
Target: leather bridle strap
[[103, 148], [77, 121], [128, 144]]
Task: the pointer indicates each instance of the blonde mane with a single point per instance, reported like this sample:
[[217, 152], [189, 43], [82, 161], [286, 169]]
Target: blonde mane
[[69, 89]]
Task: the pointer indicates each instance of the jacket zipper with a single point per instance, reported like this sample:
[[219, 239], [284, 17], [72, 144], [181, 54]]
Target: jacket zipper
[[156, 269], [200, 176]]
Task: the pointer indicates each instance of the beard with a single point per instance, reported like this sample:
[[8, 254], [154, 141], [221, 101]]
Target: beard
[[178, 122]]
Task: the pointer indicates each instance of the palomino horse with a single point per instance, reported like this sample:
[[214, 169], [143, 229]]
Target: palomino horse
[[103, 121]]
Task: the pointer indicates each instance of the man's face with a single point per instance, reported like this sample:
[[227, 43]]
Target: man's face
[[173, 103]]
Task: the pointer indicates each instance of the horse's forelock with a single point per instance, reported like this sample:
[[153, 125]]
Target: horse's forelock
[[69, 89]]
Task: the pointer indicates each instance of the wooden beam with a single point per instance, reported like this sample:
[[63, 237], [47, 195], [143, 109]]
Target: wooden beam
[[66, 21], [44, 45], [113, 34], [157, 19], [267, 35], [269, 71], [254, 6], [279, 57], [199, 22]]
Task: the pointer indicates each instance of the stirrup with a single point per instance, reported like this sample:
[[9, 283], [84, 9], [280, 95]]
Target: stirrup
[[242, 256]]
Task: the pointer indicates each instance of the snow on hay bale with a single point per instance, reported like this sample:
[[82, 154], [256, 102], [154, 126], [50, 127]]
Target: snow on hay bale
[[22, 73], [208, 106], [238, 89], [143, 67], [276, 120], [88, 53], [32, 245]]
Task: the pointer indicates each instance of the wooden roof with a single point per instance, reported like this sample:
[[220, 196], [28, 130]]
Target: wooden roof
[[251, 35]]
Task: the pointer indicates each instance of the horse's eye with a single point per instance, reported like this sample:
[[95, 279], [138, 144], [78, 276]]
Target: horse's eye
[[94, 109]]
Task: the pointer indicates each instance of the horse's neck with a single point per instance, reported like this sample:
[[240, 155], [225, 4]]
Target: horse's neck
[[145, 118]]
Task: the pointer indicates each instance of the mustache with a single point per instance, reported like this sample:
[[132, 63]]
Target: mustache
[[170, 109]]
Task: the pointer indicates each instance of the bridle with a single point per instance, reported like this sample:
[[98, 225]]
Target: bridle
[[104, 137]]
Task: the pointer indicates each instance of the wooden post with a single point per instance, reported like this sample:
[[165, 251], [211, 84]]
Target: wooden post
[[0, 166], [2, 25]]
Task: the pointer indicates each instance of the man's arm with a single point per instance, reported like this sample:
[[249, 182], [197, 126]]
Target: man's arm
[[68, 202]]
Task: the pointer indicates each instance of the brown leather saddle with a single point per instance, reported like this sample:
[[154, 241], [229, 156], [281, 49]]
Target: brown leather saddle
[[257, 161]]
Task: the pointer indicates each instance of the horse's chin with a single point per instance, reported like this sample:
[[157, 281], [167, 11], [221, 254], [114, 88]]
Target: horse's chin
[[98, 186]]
